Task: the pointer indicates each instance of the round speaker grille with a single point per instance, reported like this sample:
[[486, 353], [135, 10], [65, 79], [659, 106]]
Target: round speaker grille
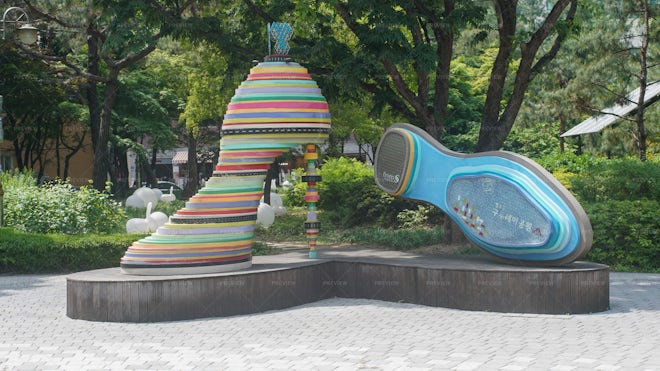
[[391, 162]]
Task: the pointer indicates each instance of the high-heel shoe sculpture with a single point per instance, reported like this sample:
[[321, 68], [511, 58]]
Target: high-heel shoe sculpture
[[505, 203], [278, 107]]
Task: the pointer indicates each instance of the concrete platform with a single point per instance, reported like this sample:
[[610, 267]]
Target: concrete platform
[[291, 279]]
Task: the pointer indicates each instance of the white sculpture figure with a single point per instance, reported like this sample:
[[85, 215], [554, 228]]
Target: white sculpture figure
[[158, 219], [138, 225], [157, 192], [279, 210], [147, 195], [168, 197], [135, 201], [265, 215], [276, 200], [277, 204]]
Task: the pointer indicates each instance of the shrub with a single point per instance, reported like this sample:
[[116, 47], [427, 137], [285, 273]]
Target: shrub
[[413, 219], [289, 227], [626, 234], [17, 179], [351, 197], [22, 253], [46, 253], [59, 208], [622, 179], [569, 162], [292, 196]]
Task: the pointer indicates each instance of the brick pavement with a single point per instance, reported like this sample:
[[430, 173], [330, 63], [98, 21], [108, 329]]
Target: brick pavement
[[334, 334]]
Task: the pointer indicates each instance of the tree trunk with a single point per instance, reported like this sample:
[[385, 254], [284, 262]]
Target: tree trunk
[[102, 153], [154, 158], [444, 52], [193, 174], [112, 164], [268, 182], [120, 189], [273, 173], [58, 165], [18, 154], [495, 127], [506, 19], [92, 90], [452, 233], [147, 170], [562, 128], [641, 132]]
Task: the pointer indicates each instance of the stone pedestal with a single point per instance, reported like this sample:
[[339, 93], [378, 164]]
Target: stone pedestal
[[287, 280]]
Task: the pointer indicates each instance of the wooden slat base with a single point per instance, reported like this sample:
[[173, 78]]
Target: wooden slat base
[[287, 280]]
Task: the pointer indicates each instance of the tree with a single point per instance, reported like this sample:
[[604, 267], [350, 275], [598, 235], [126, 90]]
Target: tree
[[644, 9], [402, 54], [31, 103], [350, 118], [208, 95], [71, 119], [608, 60], [497, 123], [143, 113], [119, 33]]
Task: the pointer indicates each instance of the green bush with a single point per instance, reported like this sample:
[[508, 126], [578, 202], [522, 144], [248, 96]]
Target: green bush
[[626, 234], [569, 162], [47, 253], [621, 179], [289, 227], [17, 179], [414, 219], [59, 207], [350, 196], [27, 253], [292, 196]]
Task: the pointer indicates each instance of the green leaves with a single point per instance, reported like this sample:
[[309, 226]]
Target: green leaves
[[58, 207], [626, 234], [22, 253]]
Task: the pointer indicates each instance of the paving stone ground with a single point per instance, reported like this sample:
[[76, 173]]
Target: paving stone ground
[[333, 334]]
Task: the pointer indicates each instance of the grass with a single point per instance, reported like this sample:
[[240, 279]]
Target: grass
[[290, 228]]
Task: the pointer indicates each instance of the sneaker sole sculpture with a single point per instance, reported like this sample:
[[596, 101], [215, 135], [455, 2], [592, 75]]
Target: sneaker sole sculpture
[[505, 203]]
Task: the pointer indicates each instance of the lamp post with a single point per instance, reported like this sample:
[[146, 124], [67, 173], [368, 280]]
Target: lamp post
[[27, 33]]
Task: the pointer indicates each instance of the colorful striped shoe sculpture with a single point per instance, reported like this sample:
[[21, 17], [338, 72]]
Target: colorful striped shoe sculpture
[[505, 203], [278, 107]]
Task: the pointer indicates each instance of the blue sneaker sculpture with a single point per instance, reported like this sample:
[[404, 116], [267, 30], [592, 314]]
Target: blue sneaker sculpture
[[505, 203]]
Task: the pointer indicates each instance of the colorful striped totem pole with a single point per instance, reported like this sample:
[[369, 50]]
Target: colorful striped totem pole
[[312, 225], [278, 107]]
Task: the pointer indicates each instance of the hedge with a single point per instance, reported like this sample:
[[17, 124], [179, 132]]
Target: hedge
[[22, 253], [349, 195], [626, 234], [52, 253]]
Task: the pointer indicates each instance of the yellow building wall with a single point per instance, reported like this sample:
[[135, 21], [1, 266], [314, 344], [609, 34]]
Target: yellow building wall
[[80, 165]]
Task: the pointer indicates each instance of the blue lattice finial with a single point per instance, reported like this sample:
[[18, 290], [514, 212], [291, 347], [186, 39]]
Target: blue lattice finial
[[280, 34]]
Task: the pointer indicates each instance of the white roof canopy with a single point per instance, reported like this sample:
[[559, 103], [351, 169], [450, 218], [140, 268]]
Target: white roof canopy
[[596, 123]]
